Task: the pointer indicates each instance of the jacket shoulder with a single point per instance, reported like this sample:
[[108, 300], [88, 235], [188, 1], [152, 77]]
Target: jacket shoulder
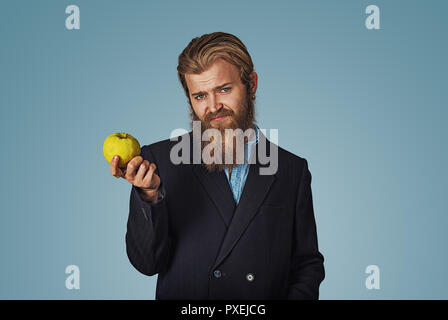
[[293, 168], [288, 158], [161, 149]]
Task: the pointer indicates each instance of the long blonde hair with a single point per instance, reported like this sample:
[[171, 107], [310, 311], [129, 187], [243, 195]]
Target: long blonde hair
[[202, 51]]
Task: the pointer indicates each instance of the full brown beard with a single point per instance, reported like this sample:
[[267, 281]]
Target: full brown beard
[[243, 119]]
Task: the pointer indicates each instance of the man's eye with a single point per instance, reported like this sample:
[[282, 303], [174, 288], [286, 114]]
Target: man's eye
[[225, 89], [199, 97]]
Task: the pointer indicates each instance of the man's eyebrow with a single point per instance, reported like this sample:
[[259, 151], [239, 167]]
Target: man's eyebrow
[[218, 87]]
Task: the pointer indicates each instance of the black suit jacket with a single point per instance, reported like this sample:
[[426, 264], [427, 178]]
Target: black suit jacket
[[203, 245]]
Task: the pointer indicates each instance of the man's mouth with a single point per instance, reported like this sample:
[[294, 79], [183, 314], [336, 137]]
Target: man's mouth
[[219, 118]]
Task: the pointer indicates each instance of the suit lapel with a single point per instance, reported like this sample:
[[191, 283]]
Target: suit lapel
[[236, 217], [255, 190], [217, 187]]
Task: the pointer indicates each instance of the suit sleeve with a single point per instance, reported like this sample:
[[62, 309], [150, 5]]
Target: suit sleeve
[[307, 270], [148, 244]]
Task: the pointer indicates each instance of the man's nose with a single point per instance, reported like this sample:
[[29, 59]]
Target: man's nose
[[214, 104]]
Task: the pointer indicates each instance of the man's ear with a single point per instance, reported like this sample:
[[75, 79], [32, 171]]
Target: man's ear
[[253, 82]]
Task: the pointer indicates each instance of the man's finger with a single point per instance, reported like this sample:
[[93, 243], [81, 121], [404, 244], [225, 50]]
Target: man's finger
[[114, 169], [144, 166], [151, 177], [132, 167]]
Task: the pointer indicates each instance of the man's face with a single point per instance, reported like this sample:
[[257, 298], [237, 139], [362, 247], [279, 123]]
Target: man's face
[[219, 100], [218, 97]]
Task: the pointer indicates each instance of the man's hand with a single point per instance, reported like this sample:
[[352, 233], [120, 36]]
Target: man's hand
[[139, 173]]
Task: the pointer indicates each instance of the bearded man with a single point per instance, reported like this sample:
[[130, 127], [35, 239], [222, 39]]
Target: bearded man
[[221, 228]]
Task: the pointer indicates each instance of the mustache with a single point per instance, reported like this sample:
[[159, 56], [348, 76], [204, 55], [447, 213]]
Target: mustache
[[224, 112]]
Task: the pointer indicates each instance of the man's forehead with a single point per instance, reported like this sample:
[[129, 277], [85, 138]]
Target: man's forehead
[[218, 73]]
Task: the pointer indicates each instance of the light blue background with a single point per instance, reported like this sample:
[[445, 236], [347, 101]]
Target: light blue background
[[366, 108]]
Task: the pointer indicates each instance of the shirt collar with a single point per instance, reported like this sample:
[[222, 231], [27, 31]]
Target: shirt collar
[[250, 144]]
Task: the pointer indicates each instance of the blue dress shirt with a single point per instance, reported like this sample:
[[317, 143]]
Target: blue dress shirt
[[239, 172]]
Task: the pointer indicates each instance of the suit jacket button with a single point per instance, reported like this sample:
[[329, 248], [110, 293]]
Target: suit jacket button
[[250, 277], [217, 273]]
